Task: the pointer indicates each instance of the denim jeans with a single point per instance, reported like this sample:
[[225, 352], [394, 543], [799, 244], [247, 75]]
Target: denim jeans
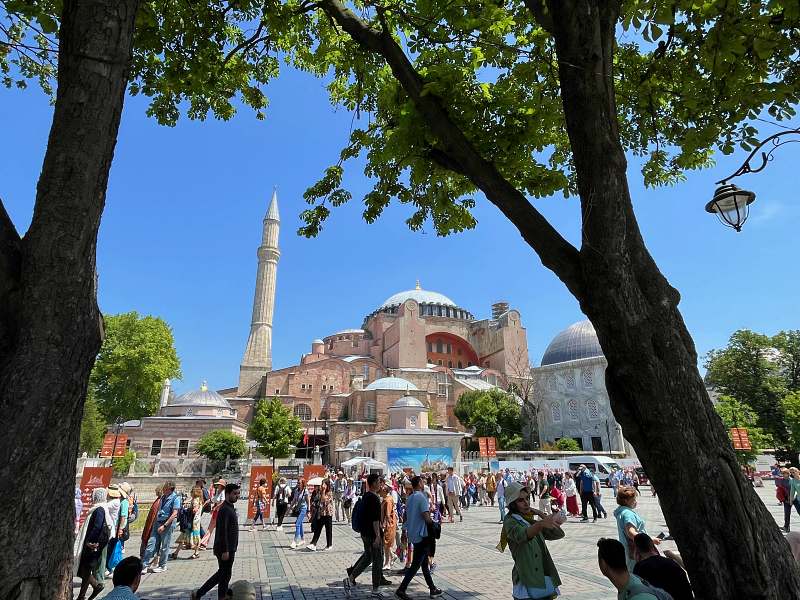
[[501, 504], [298, 525], [164, 539]]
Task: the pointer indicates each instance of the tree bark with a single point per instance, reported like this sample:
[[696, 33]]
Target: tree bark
[[728, 539], [50, 321]]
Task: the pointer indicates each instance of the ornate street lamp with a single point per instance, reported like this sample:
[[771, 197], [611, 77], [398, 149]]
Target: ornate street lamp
[[732, 204]]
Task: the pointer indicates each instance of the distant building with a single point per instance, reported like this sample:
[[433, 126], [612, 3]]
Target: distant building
[[571, 394]]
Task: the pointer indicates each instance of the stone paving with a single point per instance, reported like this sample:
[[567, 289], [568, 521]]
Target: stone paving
[[469, 566]]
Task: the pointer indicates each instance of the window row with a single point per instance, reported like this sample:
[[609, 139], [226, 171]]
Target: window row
[[155, 447], [591, 407], [570, 383]]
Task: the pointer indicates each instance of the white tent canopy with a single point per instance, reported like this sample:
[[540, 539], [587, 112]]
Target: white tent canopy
[[366, 461], [355, 461]]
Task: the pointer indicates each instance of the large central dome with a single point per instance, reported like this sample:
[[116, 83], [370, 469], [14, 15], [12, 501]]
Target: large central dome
[[577, 341], [420, 295]]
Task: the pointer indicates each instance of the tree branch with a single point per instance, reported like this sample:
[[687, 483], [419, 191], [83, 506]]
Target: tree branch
[[555, 252]]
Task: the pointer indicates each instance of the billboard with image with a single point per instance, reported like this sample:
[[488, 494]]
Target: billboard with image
[[421, 460]]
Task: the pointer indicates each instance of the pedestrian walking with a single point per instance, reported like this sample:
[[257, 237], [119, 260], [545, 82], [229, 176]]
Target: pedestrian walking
[[367, 518], [585, 483], [216, 502], [92, 540], [501, 496], [163, 527], [226, 543], [534, 574], [629, 522], [147, 530], [388, 525], [300, 504], [571, 492], [598, 496], [420, 529], [260, 502], [454, 491], [339, 487], [323, 516], [282, 495], [348, 498], [491, 486]]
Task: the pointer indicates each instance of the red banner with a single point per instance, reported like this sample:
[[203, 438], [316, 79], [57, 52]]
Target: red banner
[[93, 477], [114, 444], [311, 471], [256, 475], [487, 446], [740, 438]]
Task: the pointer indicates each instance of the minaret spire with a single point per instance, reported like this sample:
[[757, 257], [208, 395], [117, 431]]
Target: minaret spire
[[257, 360]]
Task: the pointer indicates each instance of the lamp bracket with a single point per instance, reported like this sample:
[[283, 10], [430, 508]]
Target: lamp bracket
[[776, 140]]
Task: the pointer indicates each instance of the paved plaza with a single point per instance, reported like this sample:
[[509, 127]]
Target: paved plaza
[[469, 565]]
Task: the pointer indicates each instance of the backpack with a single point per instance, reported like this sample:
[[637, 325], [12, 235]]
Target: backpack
[[206, 503], [133, 511], [185, 517], [780, 494], [642, 587], [357, 516]]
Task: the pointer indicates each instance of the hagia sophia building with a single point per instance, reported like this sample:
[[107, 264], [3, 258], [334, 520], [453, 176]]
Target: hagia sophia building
[[410, 359]]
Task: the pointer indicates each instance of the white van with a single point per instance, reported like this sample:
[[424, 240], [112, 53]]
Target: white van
[[600, 465]]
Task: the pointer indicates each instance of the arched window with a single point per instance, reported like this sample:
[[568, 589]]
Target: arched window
[[551, 381], [189, 412], [572, 409], [302, 412], [587, 378], [555, 413], [569, 379], [592, 409]]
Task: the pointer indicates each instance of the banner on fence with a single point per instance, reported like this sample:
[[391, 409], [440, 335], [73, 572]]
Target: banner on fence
[[256, 475], [93, 478]]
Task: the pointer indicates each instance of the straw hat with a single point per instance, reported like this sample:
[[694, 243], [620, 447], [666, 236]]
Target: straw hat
[[221, 482], [114, 491], [126, 488]]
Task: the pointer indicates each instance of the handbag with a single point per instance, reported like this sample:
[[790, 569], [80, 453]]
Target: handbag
[[434, 530]]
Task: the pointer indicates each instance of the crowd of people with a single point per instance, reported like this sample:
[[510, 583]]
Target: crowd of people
[[399, 520]]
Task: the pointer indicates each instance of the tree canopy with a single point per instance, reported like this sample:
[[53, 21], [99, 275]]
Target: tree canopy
[[492, 413], [93, 426], [137, 355], [567, 445], [755, 372], [738, 414], [220, 444], [275, 428]]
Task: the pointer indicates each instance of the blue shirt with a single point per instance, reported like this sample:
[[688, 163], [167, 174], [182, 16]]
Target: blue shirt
[[121, 592], [627, 516], [587, 481], [168, 504], [416, 525]]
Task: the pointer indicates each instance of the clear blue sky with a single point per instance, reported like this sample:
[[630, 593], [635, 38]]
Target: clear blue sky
[[183, 221]]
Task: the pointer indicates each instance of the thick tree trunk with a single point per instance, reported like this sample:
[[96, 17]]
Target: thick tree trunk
[[728, 539], [51, 325]]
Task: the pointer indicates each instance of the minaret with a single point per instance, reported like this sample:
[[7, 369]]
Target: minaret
[[257, 358]]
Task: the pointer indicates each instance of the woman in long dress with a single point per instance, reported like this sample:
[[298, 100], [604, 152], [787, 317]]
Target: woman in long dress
[[148, 523], [92, 540], [216, 502], [571, 492], [389, 526]]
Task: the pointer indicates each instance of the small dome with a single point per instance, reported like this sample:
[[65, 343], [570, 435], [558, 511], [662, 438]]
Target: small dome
[[355, 445], [317, 341], [407, 401], [420, 295], [577, 341], [391, 383], [201, 397]]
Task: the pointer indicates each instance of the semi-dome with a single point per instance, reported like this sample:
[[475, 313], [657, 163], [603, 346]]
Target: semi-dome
[[406, 402], [201, 397], [391, 383], [421, 296], [577, 341]]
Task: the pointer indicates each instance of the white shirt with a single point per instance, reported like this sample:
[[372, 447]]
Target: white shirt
[[113, 511]]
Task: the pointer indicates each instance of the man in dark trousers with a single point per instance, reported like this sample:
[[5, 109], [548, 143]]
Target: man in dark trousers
[[660, 571], [418, 517], [586, 488], [225, 543], [369, 519]]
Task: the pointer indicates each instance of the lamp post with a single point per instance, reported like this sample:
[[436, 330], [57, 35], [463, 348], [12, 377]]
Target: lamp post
[[730, 203], [117, 429]]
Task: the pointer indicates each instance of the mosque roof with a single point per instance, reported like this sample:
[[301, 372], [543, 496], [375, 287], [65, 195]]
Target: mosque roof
[[391, 383], [577, 341], [343, 331], [420, 295], [407, 401], [201, 397]]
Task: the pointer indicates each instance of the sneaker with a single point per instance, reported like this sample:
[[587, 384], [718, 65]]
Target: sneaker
[[301, 543], [348, 586], [584, 520], [159, 570], [312, 547], [401, 595], [436, 592], [293, 545], [145, 570], [377, 594]]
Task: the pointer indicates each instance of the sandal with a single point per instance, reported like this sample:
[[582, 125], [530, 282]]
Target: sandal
[[195, 556]]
